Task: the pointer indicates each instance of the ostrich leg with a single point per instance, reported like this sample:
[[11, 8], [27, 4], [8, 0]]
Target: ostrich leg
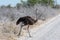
[[20, 30], [28, 31]]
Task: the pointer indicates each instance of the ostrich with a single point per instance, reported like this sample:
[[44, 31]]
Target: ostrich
[[26, 20]]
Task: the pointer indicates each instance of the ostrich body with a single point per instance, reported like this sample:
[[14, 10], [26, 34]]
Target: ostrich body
[[27, 20]]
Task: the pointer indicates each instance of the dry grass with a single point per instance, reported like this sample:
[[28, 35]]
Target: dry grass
[[6, 36], [7, 31]]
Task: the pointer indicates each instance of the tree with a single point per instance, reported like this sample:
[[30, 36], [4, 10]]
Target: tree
[[33, 2], [24, 3], [45, 2], [2, 6], [51, 2], [18, 6], [8, 6]]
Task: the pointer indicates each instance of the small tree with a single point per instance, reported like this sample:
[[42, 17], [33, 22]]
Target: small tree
[[2, 6], [18, 6], [8, 6], [51, 3], [24, 3]]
